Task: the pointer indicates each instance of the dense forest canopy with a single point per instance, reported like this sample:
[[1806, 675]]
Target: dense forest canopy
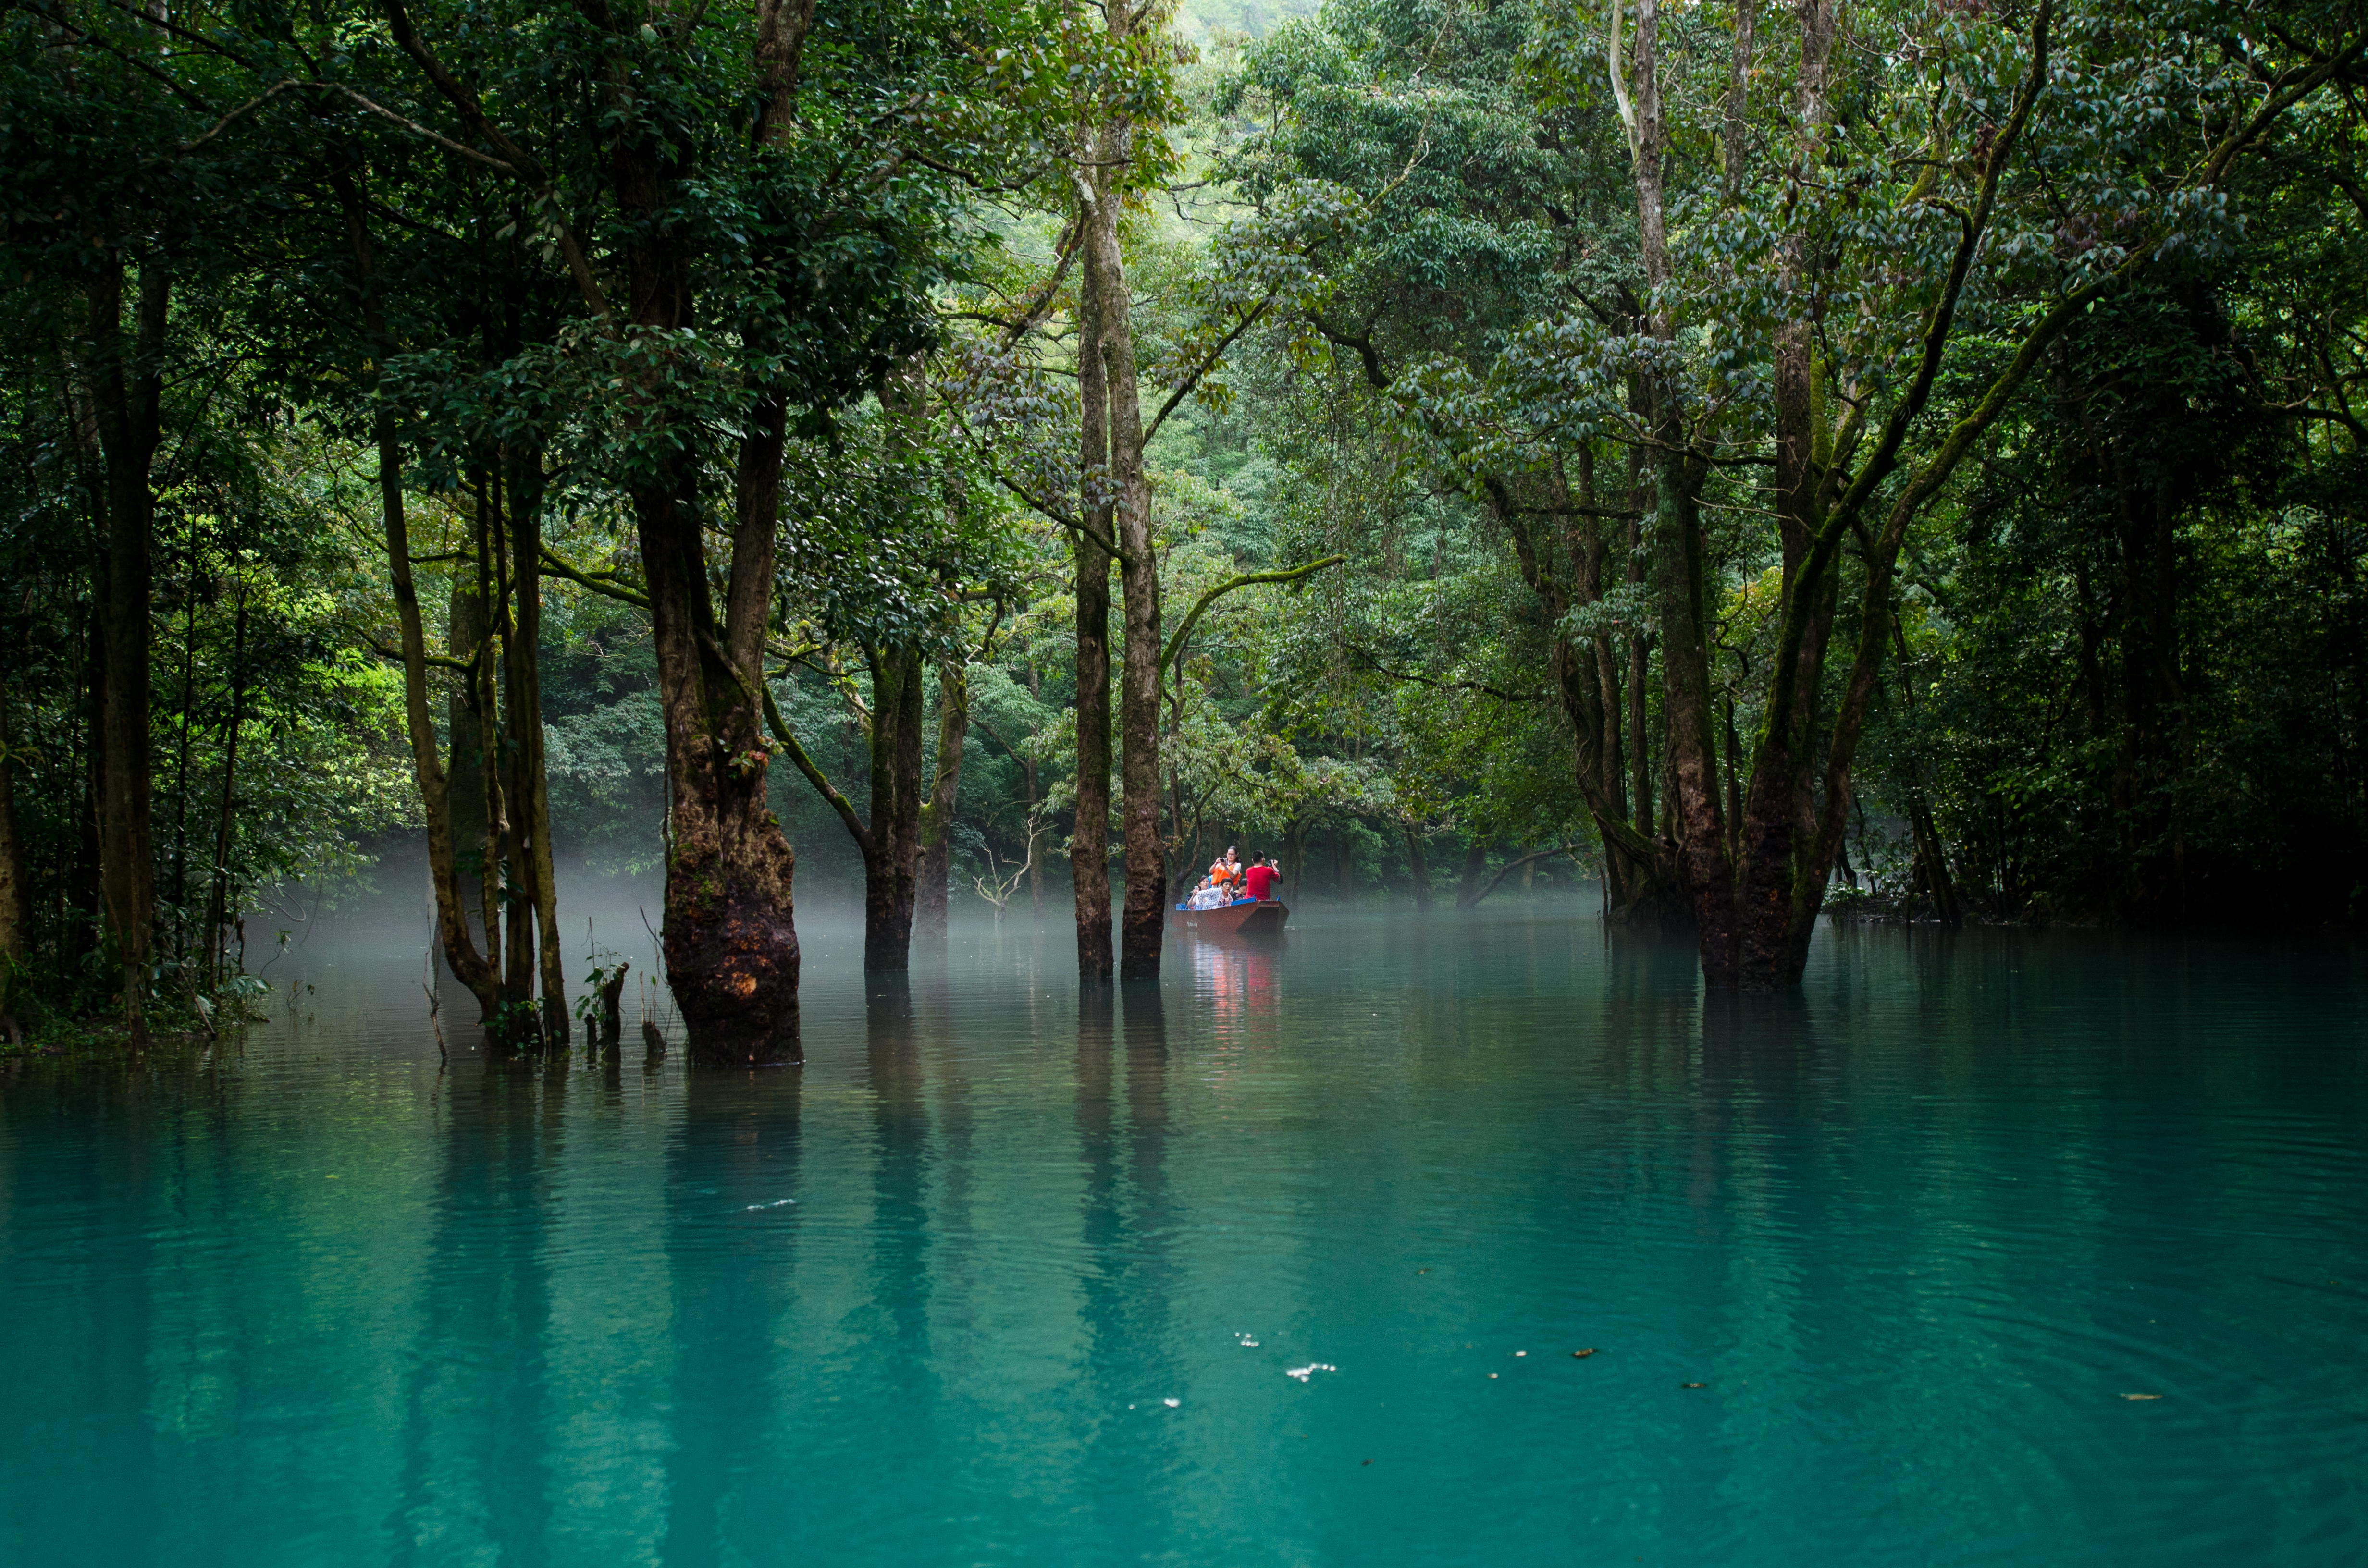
[[1893, 455]]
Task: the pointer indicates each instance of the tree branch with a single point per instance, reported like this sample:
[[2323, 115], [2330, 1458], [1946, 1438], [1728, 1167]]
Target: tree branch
[[521, 161], [1511, 866], [1176, 642], [1184, 387], [583, 579], [814, 776]]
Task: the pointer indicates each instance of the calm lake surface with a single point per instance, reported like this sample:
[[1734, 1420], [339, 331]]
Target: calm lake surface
[[1282, 1262]]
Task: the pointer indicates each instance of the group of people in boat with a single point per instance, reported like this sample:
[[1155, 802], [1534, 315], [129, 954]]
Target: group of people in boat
[[1229, 882]]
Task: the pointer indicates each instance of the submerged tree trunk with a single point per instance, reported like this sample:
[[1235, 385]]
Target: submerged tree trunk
[[1476, 862], [218, 893], [1757, 894], [1027, 783], [1089, 844], [1585, 683], [730, 941], [16, 890], [538, 873], [891, 847], [1417, 868], [1144, 927], [730, 937], [469, 967], [466, 628], [124, 384], [930, 912]]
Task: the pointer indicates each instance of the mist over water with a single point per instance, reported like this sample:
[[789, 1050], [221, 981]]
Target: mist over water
[[2005, 1248]]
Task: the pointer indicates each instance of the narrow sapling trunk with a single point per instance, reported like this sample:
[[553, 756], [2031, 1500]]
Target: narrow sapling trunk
[[465, 628], [538, 875], [469, 967], [218, 896], [506, 933]]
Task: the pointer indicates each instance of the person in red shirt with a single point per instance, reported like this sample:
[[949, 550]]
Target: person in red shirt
[[1260, 878]]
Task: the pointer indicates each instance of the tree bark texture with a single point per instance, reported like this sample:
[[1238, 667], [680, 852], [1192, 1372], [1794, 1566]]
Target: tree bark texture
[[124, 383], [730, 936], [1756, 893], [538, 873], [1089, 844], [1565, 568], [469, 967], [218, 897], [476, 969], [891, 847], [1143, 929]]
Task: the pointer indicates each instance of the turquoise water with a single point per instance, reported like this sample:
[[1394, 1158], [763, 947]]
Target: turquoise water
[[997, 1280]]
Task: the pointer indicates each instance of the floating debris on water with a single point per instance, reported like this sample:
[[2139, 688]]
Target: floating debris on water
[[1171, 1404], [2140, 1397], [1245, 1342], [1692, 1385], [775, 1204], [1520, 1352], [1583, 1355], [1309, 1371]]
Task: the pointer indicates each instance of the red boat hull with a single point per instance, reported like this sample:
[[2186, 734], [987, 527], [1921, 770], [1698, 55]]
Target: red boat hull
[[1263, 918]]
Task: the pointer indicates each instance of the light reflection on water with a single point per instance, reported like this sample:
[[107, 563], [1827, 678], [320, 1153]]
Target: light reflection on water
[[1006, 1274]]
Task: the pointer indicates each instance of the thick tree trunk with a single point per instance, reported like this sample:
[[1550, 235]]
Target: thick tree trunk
[[929, 915], [1697, 814], [1089, 844], [893, 846], [1143, 929], [125, 388], [730, 939], [1777, 827]]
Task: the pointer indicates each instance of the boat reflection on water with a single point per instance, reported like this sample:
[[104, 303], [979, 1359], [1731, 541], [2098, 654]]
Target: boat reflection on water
[[1236, 979]]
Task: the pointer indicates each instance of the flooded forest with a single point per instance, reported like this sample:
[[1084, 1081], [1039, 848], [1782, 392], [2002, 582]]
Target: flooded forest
[[928, 460]]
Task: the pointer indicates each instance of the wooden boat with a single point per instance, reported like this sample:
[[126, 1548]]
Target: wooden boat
[[1261, 917]]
